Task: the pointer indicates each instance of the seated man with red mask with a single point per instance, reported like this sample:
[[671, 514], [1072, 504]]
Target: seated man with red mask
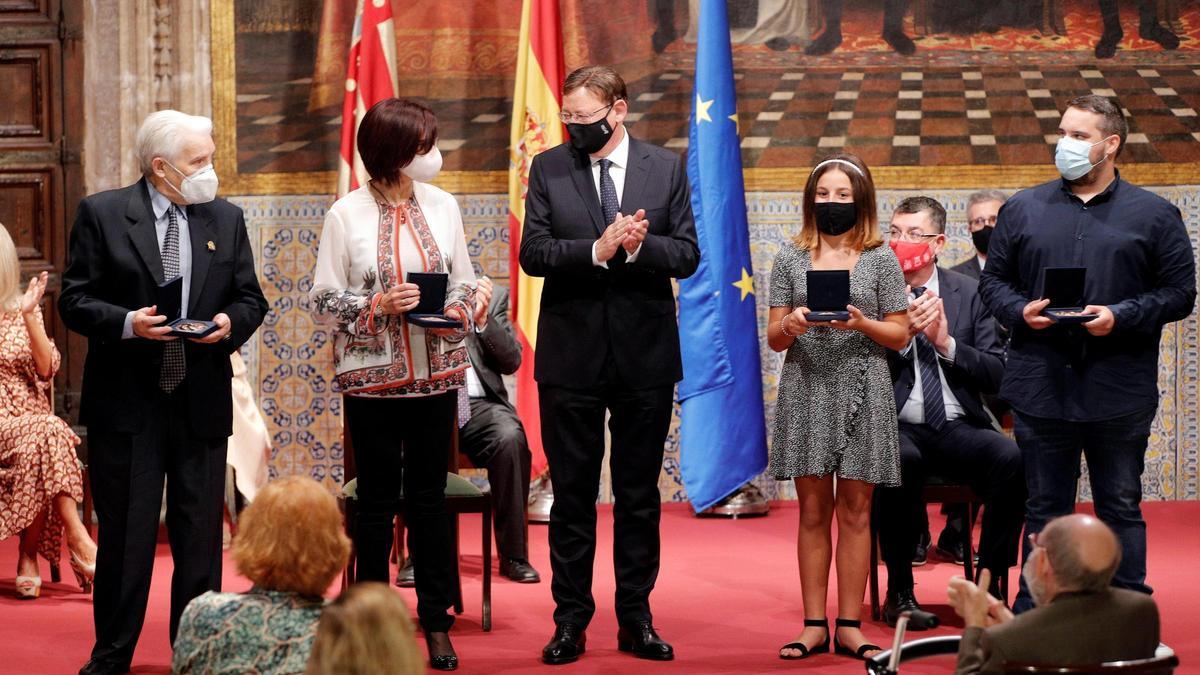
[[953, 359]]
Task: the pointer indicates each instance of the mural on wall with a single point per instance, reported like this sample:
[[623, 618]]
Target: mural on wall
[[962, 83]]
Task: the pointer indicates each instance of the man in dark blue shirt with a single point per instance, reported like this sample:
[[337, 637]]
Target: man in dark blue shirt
[[1091, 387]]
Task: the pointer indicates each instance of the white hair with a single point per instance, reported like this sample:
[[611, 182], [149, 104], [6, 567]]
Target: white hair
[[162, 134], [10, 273]]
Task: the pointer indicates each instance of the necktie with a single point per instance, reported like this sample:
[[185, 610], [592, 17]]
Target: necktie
[[464, 407], [931, 381], [608, 193], [173, 365]]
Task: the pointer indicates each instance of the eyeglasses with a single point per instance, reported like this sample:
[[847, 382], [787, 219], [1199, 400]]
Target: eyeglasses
[[982, 221], [568, 118], [911, 235]]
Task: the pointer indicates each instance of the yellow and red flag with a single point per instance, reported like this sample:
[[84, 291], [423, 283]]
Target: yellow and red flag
[[370, 78], [537, 101]]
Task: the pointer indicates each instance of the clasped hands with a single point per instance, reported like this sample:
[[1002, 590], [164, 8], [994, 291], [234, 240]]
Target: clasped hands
[[927, 314], [626, 232], [973, 603]]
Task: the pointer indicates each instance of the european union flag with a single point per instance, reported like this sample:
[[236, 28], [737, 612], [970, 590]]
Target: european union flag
[[723, 434]]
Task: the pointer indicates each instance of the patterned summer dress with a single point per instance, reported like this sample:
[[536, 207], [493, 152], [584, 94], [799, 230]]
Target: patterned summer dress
[[37, 449], [836, 412], [260, 632]]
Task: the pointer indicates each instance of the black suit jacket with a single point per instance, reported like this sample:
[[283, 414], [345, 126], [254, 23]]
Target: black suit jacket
[[968, 267], [978, 355], [495, 351], [627, 311], [114, 267]]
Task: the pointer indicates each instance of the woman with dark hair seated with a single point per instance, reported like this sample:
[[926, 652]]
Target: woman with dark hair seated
[[400, 372], [291, 545], [41, 484]]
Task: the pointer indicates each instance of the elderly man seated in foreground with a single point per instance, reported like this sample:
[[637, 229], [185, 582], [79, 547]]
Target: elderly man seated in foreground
[[1078, 619]]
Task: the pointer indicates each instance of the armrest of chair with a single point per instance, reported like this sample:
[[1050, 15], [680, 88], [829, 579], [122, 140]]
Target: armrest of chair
[[917, 649]]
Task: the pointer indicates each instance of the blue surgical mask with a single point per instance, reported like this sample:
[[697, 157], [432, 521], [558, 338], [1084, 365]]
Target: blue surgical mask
[[1073, 157]]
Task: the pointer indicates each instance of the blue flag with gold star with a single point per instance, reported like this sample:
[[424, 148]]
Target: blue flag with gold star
[[723, 438]]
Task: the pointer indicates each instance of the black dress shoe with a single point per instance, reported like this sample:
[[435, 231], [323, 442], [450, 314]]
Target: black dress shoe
[[950, 546], [441, 652], [900, 42], [102, 667], [641, 639], [566, 646], [405, 577], [827, 42], [904, 601], [1107, 46], [519, 570], [921, 554]]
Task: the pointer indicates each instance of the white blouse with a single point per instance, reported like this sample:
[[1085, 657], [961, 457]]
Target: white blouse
[[367, 246]]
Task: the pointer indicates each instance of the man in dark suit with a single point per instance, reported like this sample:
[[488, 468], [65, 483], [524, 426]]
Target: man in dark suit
[[953, 358], [607, 340], [155, 405], [1079, 619], [982, 209]]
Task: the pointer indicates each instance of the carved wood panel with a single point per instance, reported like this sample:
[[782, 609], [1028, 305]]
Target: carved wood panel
[[24, 10], [25, 77], [26, 210]]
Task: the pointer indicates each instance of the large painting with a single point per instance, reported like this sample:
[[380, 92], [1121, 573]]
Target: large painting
[[935, 93]]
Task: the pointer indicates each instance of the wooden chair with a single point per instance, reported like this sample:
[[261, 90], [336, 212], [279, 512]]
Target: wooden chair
[[937, 490], [462, 496]]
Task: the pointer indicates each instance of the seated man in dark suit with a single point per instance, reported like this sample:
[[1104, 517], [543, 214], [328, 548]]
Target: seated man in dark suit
[[1079, 619], [953, 358], [493, 436]]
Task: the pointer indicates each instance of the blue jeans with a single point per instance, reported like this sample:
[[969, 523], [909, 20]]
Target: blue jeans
[[1115, 451]]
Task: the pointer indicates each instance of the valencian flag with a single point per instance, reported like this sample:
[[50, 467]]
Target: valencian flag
[[537, 101], [723, 434], [370, 78]]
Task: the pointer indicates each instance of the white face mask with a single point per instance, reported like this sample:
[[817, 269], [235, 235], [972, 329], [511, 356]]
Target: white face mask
[[424, 167], [198, 188], [1073, 157]]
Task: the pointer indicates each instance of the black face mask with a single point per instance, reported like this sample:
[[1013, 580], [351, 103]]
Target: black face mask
[[834, 218], [589, 138], [981, 238]]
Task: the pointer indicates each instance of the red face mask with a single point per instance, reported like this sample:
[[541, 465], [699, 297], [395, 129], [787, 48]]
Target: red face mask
[[912, 255]]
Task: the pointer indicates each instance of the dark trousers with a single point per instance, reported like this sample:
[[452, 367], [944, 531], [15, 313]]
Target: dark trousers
[[494, 439], [573, 434], [1115, 450], [983, 458], [401, 447], [127, 473]]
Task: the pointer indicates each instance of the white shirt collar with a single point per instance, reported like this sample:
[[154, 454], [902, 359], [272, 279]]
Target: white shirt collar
[[620, 154], [160, 204], [932, 284]]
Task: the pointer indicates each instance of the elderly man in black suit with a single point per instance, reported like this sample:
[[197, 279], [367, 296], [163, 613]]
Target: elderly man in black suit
[[608, 223], [953, 358], [158, 406]]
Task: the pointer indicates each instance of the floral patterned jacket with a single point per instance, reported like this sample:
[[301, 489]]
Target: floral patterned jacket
[[367, 246]]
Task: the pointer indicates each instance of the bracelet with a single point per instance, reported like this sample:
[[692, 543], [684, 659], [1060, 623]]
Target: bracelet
[[783, 328]]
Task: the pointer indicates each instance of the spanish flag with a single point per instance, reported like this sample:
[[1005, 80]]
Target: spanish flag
[[537, 101], [370, 78]]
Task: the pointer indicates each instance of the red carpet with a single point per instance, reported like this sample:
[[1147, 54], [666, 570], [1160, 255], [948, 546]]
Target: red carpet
[[727, 597]]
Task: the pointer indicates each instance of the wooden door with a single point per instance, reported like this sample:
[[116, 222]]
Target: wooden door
[[41, 82]]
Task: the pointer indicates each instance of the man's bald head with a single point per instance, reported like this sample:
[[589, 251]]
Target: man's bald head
[[1083, 552]]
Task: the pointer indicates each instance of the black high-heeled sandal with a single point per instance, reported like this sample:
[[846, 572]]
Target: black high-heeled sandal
[[804, 650], [441, 661], [845, 651]]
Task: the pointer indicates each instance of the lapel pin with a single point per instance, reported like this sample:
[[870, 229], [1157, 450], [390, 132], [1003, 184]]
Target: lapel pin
[[212, 246]]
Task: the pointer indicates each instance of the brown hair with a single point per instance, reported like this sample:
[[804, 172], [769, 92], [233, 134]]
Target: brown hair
[[367, 630], [602, 81], [290, 538], [393, 132], [865, 234], [1112, 120], [920, 203]]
